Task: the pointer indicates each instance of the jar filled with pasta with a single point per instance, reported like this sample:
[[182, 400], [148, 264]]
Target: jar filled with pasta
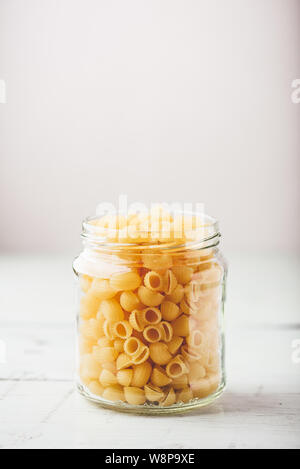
[[150, 312]]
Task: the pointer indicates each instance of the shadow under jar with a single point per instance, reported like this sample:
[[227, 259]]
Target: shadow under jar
[[150, 315]]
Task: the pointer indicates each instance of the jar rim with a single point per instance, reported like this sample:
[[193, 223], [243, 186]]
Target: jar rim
[[206, 235]]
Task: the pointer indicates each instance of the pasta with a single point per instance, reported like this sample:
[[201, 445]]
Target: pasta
[[175, 344], [134, 395], [85, 282], [180, 382], [149, 297], [101, 289], [123, 361], [141, 374], [108, 329], [119, 345], [177, 294], [169, 399], [125, 281], [181, 326], [166, 331], [183, 273], [90, 368], [153, 281], [129, 301], [124, 377], [159, 377], [104, 354], [122, 329], [111, 310], [201, 388], [114, 393], [96, 388], [89, 306], [196, 339], [185, 395], [107, 378], [91, 329], [157, 261], [141, 356], [159, 353], [153, 393], [169, 282], [136, 320], [132, 346], [169, 310], [151, 316], [152, 333], [176, 367]]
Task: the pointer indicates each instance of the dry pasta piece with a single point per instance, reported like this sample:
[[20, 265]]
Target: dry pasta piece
[[169, 310], [159, 377], [159, 353], [151, 316], [123, 361], [209, 277], [111, 310], [96, 388], [124, 377], [125, 281], [89, 306], [213, 362], [196, 339], [85, 345], [119, 345], [110, 366], [175, 344], [201, 388], [181, 326], [149, 297], [129, 301], [105, 342], [177, 294], [136, 320], [141, 356], [132, 346], [196, 372], [89, 367], [114, 393], [153, 393], [101, 289], [176, 367], [152, 333], [166, 331], [169, 399], [185, 395], [180, 382], [122, 329], [85, 282], [107, 378], [108, 329], [141, 374], [134, 395], [153, 281], [156, 261], [188, 307], [183, 273], [91, 329], [169, 282], [104, 354], [190, 354], [214, 380]]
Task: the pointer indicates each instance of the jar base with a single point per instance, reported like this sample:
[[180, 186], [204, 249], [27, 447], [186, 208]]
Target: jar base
[[148, 409]]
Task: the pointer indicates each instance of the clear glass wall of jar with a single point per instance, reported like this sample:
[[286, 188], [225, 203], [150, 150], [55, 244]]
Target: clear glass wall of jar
[[150, 321]]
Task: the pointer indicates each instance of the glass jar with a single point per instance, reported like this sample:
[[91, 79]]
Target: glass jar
[[150, 315]]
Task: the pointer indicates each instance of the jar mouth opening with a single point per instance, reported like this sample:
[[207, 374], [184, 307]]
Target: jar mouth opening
[[184, 230]]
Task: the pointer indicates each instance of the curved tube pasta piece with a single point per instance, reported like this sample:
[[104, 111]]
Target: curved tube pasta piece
[[90, 368], [114, 393], [196, 339], [141, 374], [156, 261], [89, 306], [125, 281], [134, 395], [169, 310], [96, 388], [101, 289], [153, 393], [169, 399], [123, 361], [111, 310], [196, 372], [181, 326], [105, 342], [180, 382], [169, 282], [185, 395], [129, 301], [149, 297], [153, 281], [141, 356], [183, 273], [159, 353], [190, 354], [108, 329], [175, 344], [107, 378], [153, 333], [166, 331], [151, 316], [177, 294], [132, 346], [201, 388], [104, 354], [122, 329], [119, 345], [136, 320], [85, 282], [124, 377], [176, 367], [91, 329], [159, 377]]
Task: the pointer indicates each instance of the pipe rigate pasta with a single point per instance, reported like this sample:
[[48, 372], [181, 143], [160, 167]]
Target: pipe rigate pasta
[[159, 377], [124, 377], [169, 311], [114, 393], [177, 294], [159, 353], [141, 374], [134, 395], [125, 281], [153, 333], [153, 393], [129, 301], [153, 281], [149, 297], [166, 331], [151, 316], [122, 329]]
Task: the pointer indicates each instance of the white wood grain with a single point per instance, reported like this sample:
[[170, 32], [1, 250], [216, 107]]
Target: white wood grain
[[39, 407]]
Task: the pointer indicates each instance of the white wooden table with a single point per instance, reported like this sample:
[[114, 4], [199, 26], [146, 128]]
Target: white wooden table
[[39, 407]]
